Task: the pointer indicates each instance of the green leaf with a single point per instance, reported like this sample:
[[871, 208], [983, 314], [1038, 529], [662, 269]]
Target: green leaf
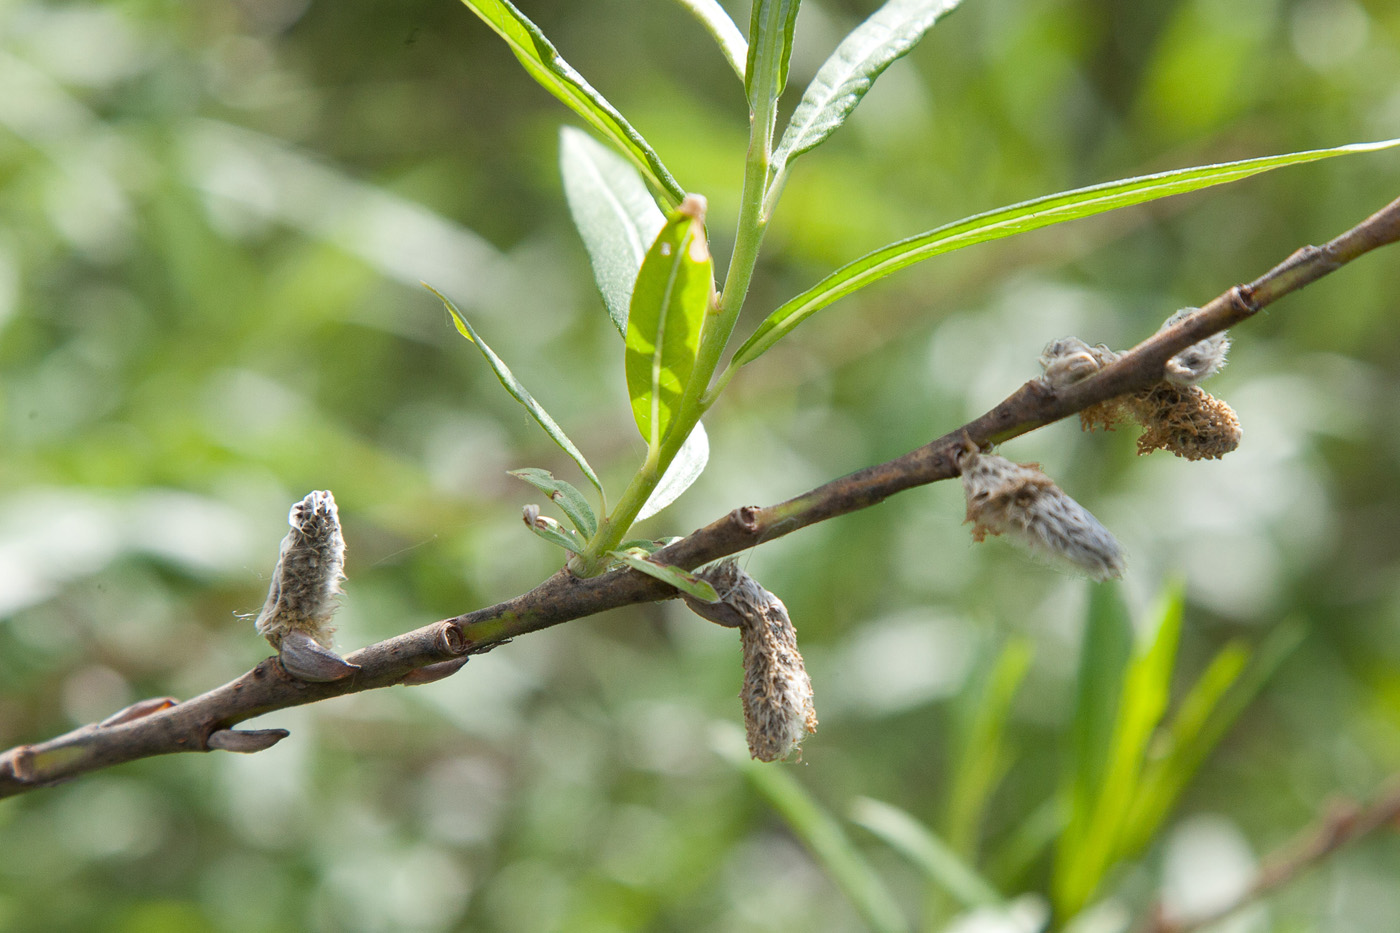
[[939, 861], [552, 531], [614, 213], [844, 78], [544, 63], [1104, 653], [822, 834], [1205, 715], [570, 501], [717, 22], [683, 580], [514, 387], [685, 469], [675, 288], [771, 23], [1008, 221]]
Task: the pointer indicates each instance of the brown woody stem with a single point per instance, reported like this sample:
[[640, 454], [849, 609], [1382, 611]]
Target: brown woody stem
[[187, 726]]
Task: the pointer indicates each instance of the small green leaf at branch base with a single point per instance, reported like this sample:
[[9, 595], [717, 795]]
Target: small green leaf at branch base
[[674, 290], [544, 63], [570, 501], [686, 582], [552, 531], [1008, 221], [517, 390]]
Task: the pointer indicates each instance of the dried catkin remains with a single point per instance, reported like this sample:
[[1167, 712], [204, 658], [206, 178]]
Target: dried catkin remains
[[1186, 420], [1021, 502], [306, 582], [777, 694]]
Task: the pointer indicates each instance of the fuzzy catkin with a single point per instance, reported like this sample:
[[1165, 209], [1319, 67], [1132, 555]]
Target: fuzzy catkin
[[306, 581], [777, 694], [1069, 360], [1018, 500], [1199, 361]]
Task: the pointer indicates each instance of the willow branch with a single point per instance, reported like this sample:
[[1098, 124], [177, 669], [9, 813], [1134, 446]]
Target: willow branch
[[1342, 825], [205, 722]]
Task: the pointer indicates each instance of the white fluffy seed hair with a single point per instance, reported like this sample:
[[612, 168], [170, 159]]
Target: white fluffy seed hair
[[777, 694], [306, 581], [1069, 359], [1021, 502], [1199, 361]]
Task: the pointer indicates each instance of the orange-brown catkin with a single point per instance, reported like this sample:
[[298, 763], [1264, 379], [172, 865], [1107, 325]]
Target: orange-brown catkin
[[777, 693]]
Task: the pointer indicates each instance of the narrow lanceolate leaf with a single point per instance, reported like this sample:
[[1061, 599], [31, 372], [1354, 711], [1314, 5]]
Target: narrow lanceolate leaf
[[674, 289], [517, 390], [544, 63], [570, 501], [771, 23], [614, 213], [684, 470], [844, 78], [1008, 221], [683, 580], [717, 22]]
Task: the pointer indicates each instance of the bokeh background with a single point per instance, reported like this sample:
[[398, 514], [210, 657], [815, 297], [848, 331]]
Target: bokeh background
[[213, 222]]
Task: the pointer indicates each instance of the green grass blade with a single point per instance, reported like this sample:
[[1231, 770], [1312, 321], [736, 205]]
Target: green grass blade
[[982, 758], [544, 63], [938, 860], [685, 469], [614, 213], [683, 580], [1146, 688], [1008, 221], [823, 836], [1031, 838], [718, 24], [771, 23], [1217, 700], [675, 288], [849, 73], [1104, 653], [517, 390], [570, 501]]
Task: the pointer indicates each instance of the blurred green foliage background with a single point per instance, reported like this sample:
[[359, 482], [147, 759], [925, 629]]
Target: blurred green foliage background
[[213, 222]]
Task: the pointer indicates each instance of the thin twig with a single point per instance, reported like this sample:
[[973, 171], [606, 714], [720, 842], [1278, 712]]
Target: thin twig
[[188, 726], [1341, 826]]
